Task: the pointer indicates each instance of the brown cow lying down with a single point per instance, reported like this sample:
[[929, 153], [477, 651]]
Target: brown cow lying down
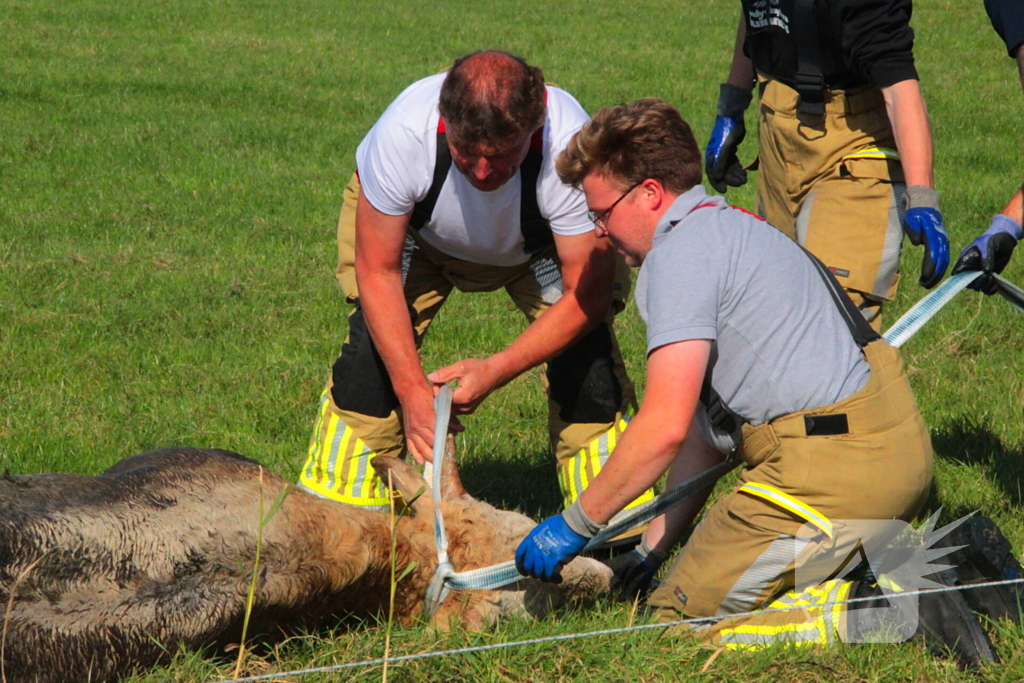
[[105, 575]]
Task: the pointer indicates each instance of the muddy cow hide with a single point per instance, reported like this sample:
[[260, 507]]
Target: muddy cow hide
[[102, 576]]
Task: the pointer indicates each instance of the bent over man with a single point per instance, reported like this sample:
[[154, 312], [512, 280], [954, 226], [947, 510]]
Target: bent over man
[[455, 188], [845, 149], [814, 402]]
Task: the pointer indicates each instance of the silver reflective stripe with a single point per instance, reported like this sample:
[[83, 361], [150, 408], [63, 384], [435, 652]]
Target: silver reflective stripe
[[549, 277], [803, 218], [751, 589], [408, 249], [890, 261]]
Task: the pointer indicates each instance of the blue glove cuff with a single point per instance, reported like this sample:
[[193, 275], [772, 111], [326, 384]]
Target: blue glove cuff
[[1003, 223], [733, 101]]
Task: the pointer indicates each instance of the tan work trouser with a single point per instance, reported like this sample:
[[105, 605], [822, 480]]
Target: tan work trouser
[[743, 552], [836, 187], [345, 440]]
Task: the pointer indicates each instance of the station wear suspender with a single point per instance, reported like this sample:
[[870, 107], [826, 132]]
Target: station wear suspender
[[809, 81], [536, 230]]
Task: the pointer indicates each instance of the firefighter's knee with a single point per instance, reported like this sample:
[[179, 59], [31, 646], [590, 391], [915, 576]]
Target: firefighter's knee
[[583, 381], [360, 380]]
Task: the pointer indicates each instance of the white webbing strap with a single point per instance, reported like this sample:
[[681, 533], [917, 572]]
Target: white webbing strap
[[437, 591], [921, 312]]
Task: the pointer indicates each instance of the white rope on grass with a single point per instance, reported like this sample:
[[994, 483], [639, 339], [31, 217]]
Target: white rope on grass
[[603, 632]]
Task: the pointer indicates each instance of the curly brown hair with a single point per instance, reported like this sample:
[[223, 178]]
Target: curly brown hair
[[492, 99], [632, 142]]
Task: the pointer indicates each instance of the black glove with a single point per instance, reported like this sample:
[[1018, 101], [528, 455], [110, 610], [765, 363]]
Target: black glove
[[990, 252], [721, 164], [634, 571]]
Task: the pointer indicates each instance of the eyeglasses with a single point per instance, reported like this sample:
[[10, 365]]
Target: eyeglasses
[[601, 219]]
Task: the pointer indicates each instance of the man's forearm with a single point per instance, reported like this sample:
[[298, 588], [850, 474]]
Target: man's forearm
[[909, 119], [640, 458], [551, 333], [741, 69], [387, 317], [1015, 207]]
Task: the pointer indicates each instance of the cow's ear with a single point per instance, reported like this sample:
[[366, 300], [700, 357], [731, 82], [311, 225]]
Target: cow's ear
[[407, 482], [451, 483]]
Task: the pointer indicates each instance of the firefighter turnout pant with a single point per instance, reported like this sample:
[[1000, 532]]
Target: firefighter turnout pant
[[836, 187], [751, 550], [590, 397]]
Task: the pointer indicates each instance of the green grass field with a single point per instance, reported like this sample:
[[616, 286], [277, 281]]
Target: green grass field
[[170, 178]]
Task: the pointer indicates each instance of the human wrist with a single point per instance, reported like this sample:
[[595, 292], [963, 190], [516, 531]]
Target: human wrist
[[1004, 223], [645, 550], [733, 100], [580, 522], [921, 197]]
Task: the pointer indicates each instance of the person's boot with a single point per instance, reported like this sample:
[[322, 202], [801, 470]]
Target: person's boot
[[986, 556], [945, 623]]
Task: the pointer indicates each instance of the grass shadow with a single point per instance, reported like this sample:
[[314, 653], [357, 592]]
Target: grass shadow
[[971, 442], [527, 483]]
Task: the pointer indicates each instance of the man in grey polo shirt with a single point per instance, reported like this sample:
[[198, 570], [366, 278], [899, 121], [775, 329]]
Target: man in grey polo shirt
[[815, 404]]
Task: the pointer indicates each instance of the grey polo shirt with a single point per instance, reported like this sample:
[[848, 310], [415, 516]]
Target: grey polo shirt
[[717, 272]]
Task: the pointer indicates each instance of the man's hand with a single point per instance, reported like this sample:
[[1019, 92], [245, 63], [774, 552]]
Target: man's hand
[[418, 420], [634, 571], [990, 252], [547, 548], [923, 225], [721, 164], [477, 379]]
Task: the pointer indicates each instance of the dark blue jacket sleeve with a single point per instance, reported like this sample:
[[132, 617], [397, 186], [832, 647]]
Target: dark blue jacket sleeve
[[1007, 17]]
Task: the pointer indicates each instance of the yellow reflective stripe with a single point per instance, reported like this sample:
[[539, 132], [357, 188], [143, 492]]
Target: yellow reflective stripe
[[579, 470], [885, 581], [752, 637], [837, 610], [338, 464], [874, 153], [787, 502]]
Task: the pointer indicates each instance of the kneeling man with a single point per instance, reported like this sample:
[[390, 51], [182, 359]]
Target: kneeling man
[[814, 403]]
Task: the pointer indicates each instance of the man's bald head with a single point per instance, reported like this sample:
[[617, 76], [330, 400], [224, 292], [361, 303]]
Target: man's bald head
[[492, 100]]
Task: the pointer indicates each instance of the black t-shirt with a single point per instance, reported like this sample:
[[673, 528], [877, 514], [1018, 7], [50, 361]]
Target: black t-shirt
[[1007, 18], [862, 42]]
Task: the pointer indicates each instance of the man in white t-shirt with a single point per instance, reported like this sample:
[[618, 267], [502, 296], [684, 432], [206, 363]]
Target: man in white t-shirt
[[455, 188]]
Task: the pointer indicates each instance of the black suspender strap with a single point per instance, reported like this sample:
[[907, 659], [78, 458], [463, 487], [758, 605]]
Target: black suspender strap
[[863, 333], [810, 81], [424, 209], [536, 229]]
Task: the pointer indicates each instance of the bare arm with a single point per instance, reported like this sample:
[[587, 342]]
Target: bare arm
[[379, 239], [909, 118], [1015, 207], [588, 271], [741, 70], [655, 436]]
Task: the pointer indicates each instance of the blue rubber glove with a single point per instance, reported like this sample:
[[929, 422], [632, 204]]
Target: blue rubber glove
[[990, 252], [547, 548], [721, 164], [923, 225]]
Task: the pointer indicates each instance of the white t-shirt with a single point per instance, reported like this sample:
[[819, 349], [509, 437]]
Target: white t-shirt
[[396, 167]]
